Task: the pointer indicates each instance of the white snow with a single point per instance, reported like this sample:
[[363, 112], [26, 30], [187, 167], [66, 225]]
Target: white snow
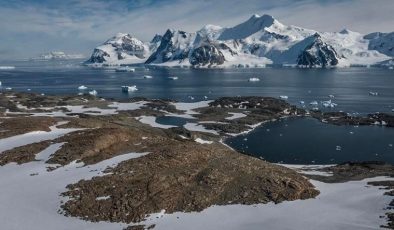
[[351, 206], [198, 128], [189, 107], [151, 120], [201, 141], [30, 195], [33, 137], [235, 116]]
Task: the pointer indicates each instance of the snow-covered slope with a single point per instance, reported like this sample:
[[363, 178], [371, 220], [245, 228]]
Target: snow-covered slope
[[259, 41], [123, 49]]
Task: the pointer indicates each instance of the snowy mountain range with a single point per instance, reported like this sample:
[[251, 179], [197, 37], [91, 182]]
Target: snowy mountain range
[[57, 55], [259, 41]]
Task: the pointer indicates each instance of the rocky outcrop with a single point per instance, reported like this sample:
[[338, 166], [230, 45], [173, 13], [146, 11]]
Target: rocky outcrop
[[206, 55], [318, 54]]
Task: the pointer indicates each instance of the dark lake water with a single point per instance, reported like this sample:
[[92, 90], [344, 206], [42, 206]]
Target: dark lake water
[[291, 141], [308, 141]]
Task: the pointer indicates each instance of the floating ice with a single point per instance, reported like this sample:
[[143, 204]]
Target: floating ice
[[8, 88], [148, 77], [173, 78], [331, 96], [0, 83], [7, 67], [373, 93], [338, 148], [82, 87], [252, 79], [314, 103], [127, 89], [125, 69], [93, 93], [302, 102], [283, 97], [328, 104]]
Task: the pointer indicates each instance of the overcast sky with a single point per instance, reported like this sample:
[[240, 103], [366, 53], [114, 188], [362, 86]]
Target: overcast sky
[[30, 27]]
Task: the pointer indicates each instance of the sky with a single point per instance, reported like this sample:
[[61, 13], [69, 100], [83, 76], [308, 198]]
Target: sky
[[31, 27]]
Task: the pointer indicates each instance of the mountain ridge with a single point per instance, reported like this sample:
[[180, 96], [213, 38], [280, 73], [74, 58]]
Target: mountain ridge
[[259, 41]]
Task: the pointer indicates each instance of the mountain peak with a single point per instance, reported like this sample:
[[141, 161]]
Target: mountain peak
[[252, 25]]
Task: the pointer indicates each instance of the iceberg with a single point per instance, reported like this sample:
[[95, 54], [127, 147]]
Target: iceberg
[[173, 78], [124, 69], [283, 97], [0, 83], [314, 103], [148, 77], [7, 67], [127, 89], [254, 79], [328, 104], [93, 93], [8, 88], [373, 93], [82, 87]]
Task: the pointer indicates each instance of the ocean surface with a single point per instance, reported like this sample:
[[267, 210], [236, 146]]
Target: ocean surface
[[302, 141]]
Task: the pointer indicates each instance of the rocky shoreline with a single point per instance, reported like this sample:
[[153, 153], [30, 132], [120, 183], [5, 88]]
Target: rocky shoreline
[[184, 170]]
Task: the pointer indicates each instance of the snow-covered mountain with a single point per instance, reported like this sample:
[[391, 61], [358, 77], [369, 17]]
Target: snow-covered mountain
[[57, 55], [123, 49], [259, 41]]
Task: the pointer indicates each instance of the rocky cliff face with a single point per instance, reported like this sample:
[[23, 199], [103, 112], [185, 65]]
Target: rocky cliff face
[[318, 54], [206, 55]]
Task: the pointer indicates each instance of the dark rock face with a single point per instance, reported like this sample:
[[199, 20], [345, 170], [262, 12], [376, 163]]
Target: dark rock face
[[98, 56], [167, 50], [318, 53], [206, 55]]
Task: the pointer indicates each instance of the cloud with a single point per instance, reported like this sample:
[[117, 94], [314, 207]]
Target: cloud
[[32, 27]]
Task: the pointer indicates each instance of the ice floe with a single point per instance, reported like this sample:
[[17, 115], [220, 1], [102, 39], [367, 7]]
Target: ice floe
[[127, 89], [283, 97], [124, 69], [173, 78], [148, 77], [82, 87], [254, 79], [7, 67], [93, 93], [373, 93]]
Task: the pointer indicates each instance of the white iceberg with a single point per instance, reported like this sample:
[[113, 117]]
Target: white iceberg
[[127, 89], [328, 104], [331, 96], [373, 93], [82, 87], [283, 97], [173, 78], [254, 79], [7, 67], [93, 93], [148, 77], [8, 88], [124, 69], [314, 103], [0, 83]]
